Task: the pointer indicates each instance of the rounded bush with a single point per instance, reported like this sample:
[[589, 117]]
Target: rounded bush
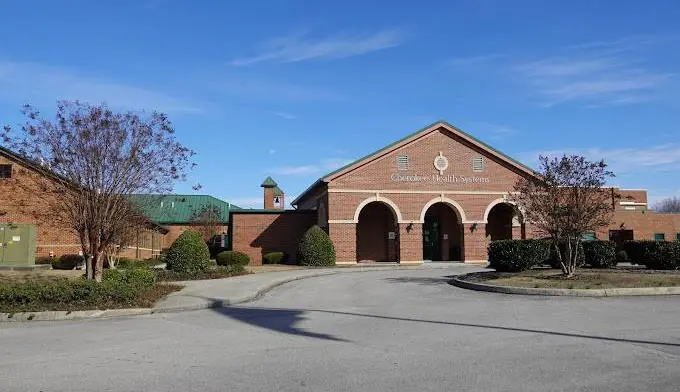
[[600, 254], [232, 257], [316, 248], [517, 255], [68, 262], [275, 258], [189, 253]]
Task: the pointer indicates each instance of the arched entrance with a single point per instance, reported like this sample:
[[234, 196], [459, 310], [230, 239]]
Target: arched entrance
[[377, 233], [500, 221], [442, 233]]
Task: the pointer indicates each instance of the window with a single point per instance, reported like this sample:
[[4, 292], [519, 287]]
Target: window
[[677, 237], [659, 237], [478, 164], [402, 162], [5, 171]]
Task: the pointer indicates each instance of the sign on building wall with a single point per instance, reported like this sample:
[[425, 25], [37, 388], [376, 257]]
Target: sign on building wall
[[441, 163]]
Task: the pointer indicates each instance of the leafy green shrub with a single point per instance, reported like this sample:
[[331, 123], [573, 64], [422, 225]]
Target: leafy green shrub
[[554, 261], [188, 253], [660, 255], [275, 258], [138, 278], [517, 255], [232, 257], [211, 273], [40, 260], [68, 262], [316, 248], [600, 254]]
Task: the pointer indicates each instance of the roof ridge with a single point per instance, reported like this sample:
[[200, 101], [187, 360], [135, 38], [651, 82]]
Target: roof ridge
[[433, 126]]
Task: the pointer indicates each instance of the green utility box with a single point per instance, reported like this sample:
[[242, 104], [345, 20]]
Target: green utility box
[[17, 245]]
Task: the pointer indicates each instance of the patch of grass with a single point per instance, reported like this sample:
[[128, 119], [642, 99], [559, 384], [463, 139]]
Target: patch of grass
[[584, 279], [210, 273]]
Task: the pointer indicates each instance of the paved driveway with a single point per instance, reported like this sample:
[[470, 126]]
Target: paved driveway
[[397, 330]]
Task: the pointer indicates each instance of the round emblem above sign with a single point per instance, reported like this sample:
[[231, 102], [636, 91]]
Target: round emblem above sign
[[440, 163]]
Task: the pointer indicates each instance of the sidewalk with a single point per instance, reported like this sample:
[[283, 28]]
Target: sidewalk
[[202, 294]]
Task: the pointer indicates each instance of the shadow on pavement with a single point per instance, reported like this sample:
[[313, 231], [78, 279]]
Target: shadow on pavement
[[283, 320], [279, 320]]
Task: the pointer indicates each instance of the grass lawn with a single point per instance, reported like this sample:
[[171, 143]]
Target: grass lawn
[[584, 279]]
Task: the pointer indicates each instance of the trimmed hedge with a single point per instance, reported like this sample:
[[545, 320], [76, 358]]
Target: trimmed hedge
[[316, 248], [600, 254], [139, 278], [661, 255], [232, 257], [188, 253], [517, 255], [117, 289], [68, 262], [275, 258]]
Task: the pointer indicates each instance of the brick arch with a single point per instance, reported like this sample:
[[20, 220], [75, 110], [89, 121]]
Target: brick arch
[[392, 206], [502, 201], [458, 209]]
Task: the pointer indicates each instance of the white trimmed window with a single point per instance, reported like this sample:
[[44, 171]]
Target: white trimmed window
[[478, 164], [402, 162]]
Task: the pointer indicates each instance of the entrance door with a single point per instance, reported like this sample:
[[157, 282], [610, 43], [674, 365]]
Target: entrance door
[[431, 239], [619, 237]]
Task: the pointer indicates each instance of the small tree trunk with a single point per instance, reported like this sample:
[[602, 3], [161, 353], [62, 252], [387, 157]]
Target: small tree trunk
[[98, 263], [563, 265], [89, 273]]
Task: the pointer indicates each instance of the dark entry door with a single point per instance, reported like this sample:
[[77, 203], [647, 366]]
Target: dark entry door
[[619, 237], [431, 239]]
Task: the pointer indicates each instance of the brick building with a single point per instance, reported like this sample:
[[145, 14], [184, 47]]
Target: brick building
[[23, 201], [437, 194]]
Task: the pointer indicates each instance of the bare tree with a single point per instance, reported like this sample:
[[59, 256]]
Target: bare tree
[[565, 200], [670, 205], [208, 221], [92, 159]]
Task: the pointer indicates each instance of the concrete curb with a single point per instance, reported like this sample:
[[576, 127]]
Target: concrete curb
[[64, 315], [615, 292]]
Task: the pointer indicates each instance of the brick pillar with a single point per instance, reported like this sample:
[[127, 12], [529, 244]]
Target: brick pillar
[[476, 243], [268, 198], [410, 243], [517, 232], [344, 237]]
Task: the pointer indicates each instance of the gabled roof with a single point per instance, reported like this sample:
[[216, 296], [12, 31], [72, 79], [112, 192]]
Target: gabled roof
[[410, 138], [179, 209]]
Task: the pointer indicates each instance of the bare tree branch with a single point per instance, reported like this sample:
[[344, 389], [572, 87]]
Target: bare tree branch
[[565, 200], [89, 159]]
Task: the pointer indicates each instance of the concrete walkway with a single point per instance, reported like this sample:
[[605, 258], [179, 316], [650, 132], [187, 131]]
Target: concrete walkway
[[202, 294]]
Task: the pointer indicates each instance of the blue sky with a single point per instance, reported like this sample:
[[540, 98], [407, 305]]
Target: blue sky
[[294, 89]]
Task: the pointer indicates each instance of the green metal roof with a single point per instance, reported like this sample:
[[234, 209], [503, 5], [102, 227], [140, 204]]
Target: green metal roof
[[277, 191], [268, 183], [444, 123], [179, 209]]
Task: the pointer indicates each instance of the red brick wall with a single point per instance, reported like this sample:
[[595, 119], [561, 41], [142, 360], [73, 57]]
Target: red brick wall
[[256, 234], [24, 201]]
